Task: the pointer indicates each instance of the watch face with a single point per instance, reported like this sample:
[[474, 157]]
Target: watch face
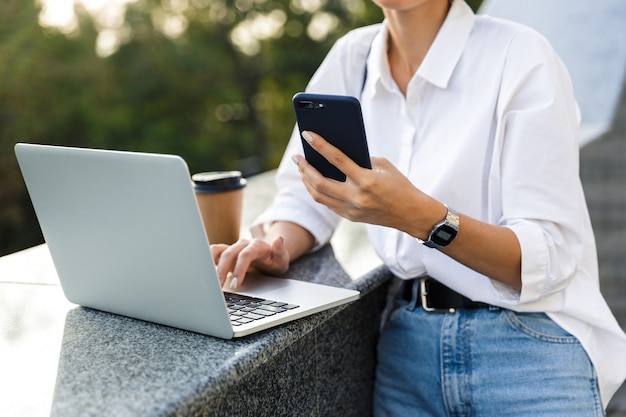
[[443, 235]]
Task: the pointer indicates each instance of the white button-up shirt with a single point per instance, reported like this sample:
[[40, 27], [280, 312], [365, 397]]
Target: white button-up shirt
[[488, 126]]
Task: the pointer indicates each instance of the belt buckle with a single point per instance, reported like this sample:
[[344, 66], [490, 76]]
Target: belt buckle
[[424, 300]]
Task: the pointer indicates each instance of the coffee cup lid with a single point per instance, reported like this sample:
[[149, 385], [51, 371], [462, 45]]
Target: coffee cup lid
[[218, 181]]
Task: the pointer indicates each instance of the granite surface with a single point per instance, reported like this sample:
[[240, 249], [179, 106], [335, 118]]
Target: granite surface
[[60, 359], [113, 365], [93, 363]]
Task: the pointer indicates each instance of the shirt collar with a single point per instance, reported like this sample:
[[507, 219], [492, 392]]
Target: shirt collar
[[443, 55], [381, 73]]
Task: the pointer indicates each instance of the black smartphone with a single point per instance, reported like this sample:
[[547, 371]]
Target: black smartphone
[[337, 119]]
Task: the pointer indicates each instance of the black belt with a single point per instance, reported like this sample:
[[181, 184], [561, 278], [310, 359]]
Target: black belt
[[433, 296]]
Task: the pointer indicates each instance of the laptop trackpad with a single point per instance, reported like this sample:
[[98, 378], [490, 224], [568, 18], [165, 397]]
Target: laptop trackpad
[[260, 284], [287, 290]]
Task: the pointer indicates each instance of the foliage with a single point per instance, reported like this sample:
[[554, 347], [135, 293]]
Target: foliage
[[210, 80]]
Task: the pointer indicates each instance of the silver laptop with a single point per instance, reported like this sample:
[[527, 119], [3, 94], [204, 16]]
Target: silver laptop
[[126, 237]]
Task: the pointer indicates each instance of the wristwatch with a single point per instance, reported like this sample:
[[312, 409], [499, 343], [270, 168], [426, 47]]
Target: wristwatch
[[444, 232]]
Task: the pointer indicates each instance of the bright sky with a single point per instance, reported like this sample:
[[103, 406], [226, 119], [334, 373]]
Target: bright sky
[[60, 13], [109, 19], [108, 16]]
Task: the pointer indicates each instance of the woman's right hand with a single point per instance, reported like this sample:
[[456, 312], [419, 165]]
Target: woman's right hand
[[255, 254]]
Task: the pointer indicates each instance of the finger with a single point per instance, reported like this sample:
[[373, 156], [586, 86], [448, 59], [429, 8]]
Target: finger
[[331, 153], [320, 190], [313, 180], [216, 251], [229, 281], [278, 244], [255, 250], [228, 259], [280, 257], [323, 190], [216, 254]]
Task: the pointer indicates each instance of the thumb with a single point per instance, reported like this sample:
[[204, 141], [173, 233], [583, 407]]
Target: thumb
[[278, 245]]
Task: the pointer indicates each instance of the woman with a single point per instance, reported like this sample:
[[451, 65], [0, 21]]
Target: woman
[[474, 203]]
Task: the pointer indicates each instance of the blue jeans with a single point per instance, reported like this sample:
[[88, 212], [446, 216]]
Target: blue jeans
[[488, 362]]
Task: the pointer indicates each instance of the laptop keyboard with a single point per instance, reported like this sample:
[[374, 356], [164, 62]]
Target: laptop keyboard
[[244, 309]]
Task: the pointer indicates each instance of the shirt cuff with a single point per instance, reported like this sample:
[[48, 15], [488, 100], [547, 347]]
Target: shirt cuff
[[535, 260], [320, 227]]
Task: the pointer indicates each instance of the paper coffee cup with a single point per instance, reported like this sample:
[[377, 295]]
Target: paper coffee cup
[[220, 199]]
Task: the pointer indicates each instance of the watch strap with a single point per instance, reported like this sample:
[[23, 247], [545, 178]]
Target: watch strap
[[444, 232]]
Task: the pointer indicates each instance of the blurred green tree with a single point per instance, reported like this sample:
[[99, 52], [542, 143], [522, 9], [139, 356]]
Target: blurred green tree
[[210, 80]]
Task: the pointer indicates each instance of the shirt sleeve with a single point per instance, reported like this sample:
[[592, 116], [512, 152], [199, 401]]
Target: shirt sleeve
[[542, 197], [294, 204]]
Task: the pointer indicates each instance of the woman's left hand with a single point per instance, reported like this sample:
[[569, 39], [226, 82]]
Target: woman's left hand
[[381, 195]]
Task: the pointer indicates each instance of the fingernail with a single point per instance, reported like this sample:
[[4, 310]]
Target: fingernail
[[307, 136], [228, 280], [233, 283], [294, 159]]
